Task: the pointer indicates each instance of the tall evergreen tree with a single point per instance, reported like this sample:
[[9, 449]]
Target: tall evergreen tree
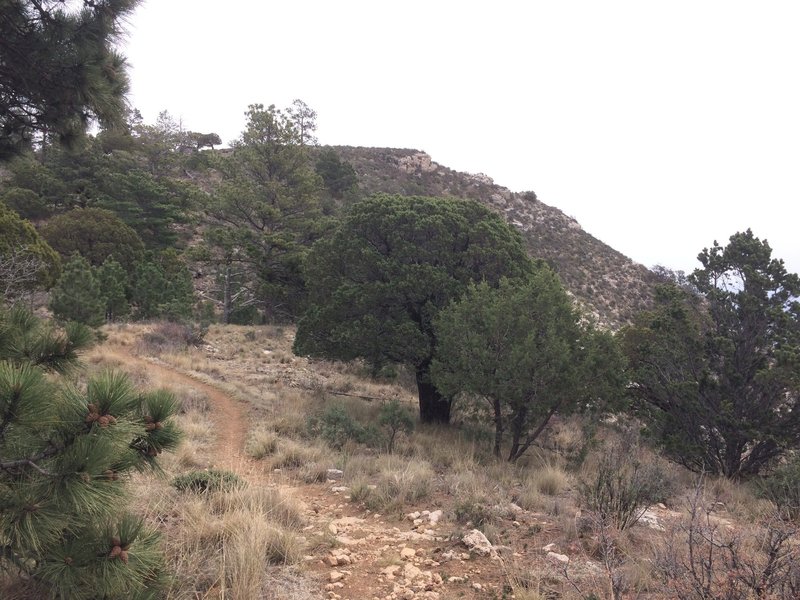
[[77, 295], [59, 69], [113, 282], [266, 213]]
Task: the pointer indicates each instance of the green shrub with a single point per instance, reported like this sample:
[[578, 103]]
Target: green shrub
[[394, 418], [207, 481], [337, 427], [472, 510]]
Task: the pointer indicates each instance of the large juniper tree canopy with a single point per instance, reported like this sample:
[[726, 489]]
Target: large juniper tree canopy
[[58, 68], [376, 284]]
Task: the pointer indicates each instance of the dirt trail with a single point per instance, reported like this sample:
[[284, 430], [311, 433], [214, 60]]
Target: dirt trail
[[227, 413], [375, 556]]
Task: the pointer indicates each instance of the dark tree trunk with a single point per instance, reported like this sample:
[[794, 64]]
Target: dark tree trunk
[[227, 300], [498, 426], [433, 407]]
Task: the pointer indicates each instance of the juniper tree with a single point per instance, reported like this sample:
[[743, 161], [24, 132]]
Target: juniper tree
[[394, 262], [522, 352], [21, 244], [717, 366], [65, 455]]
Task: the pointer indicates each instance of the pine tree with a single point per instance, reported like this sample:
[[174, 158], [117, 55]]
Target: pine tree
[[77, 295], [64, 457], [113, 281], [59, 69]]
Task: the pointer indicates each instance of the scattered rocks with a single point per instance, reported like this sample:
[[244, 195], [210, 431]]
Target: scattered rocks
[[340, 558], [407, 553], [650, 519]]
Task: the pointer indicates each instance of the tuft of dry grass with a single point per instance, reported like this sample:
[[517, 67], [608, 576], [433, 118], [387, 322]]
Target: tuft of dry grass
[[398, 483], [261, 442], [550, 480]]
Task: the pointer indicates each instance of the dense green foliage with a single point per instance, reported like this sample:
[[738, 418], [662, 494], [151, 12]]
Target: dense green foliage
[[26, 260], [162, 287], [265, 215], [376, 284], [210, 480], [338, 176], [77, 295], [719, 374], [64, 456], [113, 282], [520, 351], [59, 70], [96, 234]]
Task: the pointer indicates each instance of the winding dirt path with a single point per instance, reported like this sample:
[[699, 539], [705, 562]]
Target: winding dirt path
[[227, 413]]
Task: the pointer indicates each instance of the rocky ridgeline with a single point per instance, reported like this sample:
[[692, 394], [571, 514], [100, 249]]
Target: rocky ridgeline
[[609, 286]]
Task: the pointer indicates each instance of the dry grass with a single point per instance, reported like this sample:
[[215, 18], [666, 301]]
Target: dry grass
[[222, 544], [261, 442], [398, 483]]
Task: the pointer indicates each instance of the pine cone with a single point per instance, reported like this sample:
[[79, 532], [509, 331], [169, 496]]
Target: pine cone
[[150, 427], [103, 421], [115, 552], [68, 560], [123, 556], [159, 425]]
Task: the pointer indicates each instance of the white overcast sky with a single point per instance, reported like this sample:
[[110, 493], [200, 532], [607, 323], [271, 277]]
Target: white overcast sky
[[659, 126]]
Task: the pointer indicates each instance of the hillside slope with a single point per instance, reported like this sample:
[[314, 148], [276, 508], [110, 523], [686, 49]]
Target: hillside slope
[[606, 283]]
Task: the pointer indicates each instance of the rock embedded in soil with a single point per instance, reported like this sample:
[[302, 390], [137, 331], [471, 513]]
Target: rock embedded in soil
[[477, 543]]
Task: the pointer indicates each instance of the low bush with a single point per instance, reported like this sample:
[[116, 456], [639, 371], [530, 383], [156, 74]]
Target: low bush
[[620, 484], [337, 427], [211, 480]]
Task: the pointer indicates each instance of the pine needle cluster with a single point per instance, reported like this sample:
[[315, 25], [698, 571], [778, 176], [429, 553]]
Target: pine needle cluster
[[65, 454]]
